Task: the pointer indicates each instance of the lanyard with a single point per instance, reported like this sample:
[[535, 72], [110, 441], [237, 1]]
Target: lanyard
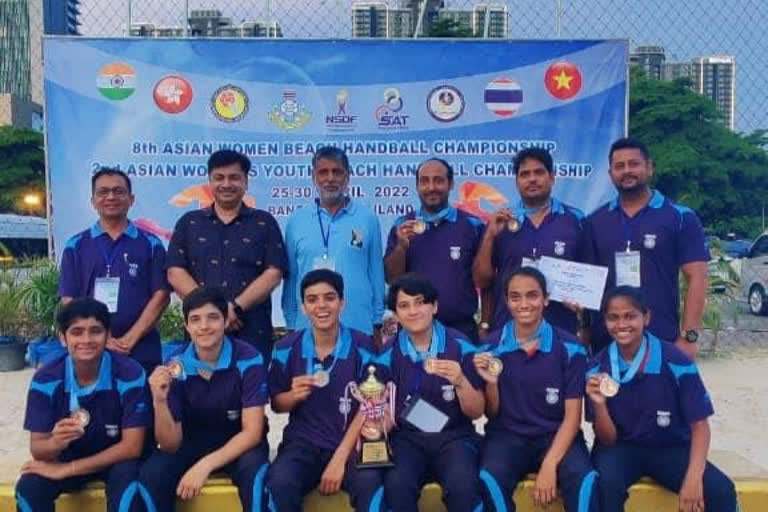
[[74, 389], [436, 217], [633, 368], [509, 339], [627, 228], [418, 358], [109, 259], [325, 233], [311, 359]]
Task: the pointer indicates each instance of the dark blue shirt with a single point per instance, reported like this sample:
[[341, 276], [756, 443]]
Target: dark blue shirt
[[444, 254], [657, 406], [119, 399], [533, 389], [231, 256], [137, 258], [214, 406], [560, 235], [323, 418], [668, 235], [406, 370]]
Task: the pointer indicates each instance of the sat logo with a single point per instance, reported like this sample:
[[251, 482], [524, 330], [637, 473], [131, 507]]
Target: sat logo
[[388, 114]]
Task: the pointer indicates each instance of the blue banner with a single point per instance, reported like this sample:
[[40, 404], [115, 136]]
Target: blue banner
[[158, 108]]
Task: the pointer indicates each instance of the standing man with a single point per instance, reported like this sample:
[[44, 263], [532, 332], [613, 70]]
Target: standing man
[[339, 234], [539, 226], [120, 265], [233, 247], [439, 242], [645, 240]]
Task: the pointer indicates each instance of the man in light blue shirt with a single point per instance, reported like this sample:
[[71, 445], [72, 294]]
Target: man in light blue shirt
[[340, 234]]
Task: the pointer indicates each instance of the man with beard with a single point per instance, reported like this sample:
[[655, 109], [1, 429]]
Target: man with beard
[[645, 240], [339, 234], [539, 226], [233, 247], [439, 242]]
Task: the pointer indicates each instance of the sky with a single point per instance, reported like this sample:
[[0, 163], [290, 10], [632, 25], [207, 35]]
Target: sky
[[685, 28]]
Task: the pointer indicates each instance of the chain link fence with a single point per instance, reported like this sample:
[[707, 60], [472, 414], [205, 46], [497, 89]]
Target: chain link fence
[[680, 32]]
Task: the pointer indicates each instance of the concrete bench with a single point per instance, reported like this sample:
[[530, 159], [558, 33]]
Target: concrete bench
[[219, 494]]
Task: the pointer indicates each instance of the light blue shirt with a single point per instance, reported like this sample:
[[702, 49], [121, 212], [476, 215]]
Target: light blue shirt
[[354, 247]]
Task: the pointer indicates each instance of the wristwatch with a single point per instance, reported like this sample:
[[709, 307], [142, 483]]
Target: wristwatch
[[238, 310], [691, 336]]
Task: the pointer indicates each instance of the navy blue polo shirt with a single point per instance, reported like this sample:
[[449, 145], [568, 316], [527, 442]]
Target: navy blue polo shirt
[[406, 370], [533, 389], [560, 235], [214, 406], [444, 253], [657, 406], [323, 418], [231, 256], [119, 399], [667, 235], [137, 258]]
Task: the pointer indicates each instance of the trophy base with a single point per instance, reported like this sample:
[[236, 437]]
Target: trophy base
[[374, 454]]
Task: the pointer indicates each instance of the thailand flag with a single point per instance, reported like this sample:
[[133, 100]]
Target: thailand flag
[[503, 97]]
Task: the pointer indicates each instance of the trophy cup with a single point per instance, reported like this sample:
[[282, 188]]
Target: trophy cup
[[377, 401]]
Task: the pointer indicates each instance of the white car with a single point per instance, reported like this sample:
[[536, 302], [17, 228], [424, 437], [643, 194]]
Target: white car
[[754, 276]]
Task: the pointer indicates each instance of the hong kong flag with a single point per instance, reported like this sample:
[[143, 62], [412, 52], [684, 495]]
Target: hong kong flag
[[563, 80]]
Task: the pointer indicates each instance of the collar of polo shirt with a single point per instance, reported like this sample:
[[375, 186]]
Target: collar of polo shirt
[[245, 211], [653, 363], [225, 356], [349, 206], [308, 343], [103, 381], [657, 201], [131, 231], [438, 340], [509, 343]]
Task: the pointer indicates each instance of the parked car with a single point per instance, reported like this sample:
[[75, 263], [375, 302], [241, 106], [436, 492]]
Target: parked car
[[754, 276]]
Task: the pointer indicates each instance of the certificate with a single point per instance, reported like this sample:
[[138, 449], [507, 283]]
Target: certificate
[[577, 282]]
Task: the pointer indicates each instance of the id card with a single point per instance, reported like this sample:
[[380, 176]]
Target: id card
[[107, 290], [323, 263], [529, 262], [628, 268], [425, 416]]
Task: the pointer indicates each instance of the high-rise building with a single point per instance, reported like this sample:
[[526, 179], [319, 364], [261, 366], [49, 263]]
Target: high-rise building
[[209, 23], [378, 19], [674, 70], [649, 58], [60, 16], [498, 21], [715, 78]]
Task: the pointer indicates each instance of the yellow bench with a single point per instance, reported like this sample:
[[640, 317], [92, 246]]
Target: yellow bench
[[219, 494]]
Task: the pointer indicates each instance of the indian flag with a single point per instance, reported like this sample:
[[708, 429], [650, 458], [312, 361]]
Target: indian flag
[[116, 81]]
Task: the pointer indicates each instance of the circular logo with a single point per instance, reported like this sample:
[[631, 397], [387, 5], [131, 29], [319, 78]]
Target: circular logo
[[445, 103], [172, 94], [393, 99], [116, 81], [563, 80], [229, 103]]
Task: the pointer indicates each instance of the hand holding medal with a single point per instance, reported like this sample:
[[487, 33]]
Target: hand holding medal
[[488, 366]]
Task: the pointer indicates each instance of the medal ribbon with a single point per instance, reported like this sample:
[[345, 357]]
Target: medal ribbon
[[633, 368], [436, 217], [417, 357], [74, 388], [307, 340]]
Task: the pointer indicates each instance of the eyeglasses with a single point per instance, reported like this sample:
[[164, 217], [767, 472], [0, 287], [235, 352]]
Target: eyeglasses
[[116, 191]]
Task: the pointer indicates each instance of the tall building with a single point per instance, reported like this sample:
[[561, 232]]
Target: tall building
[[649, 58], [378, 19], [715, 78], [674, 70], [14, 48], [424, 14], [209, 23], [60, 16], [498, 21]]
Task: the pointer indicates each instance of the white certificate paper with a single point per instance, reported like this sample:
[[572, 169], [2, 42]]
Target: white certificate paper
[[577, 282]]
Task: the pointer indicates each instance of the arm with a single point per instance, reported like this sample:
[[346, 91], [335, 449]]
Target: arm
[[397, 250], [260, 288], [301, 388], [471, 400], [695, 274], [482, 268], [605, 429], [168, 431], [147, 320], [480, 361], [249, 436], [182, 282], [692, 489], [330, 480], [487, 307], [376, 272], [290, 284], [545, 488], [129, 447], [47, 446]]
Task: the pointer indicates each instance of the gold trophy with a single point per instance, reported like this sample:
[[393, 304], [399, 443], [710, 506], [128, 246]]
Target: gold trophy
[[377, 403]]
